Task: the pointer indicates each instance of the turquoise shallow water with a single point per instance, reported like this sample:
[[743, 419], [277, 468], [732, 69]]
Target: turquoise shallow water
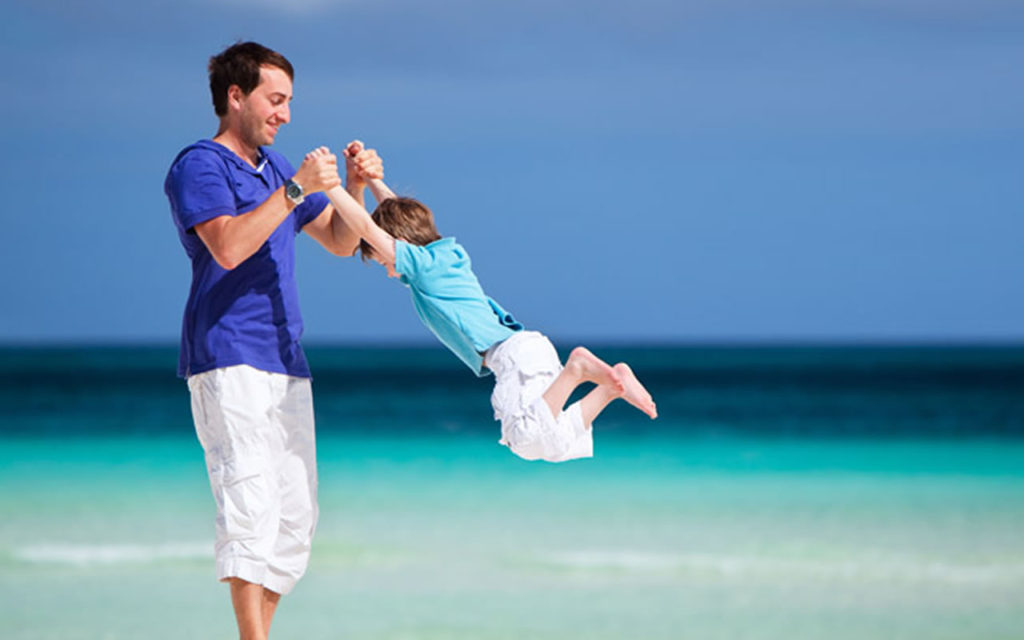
[[453, 538], [888, 502]]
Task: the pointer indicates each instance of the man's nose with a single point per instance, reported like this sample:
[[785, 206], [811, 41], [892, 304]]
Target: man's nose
[[284, 114]]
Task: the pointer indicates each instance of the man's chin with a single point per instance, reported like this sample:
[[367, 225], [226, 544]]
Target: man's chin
[[263, 139]]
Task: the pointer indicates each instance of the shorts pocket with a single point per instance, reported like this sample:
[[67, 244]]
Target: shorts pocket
[[245, 498]]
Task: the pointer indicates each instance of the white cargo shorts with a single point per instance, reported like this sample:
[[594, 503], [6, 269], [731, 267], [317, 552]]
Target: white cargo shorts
[[524, 366], [256, 429]]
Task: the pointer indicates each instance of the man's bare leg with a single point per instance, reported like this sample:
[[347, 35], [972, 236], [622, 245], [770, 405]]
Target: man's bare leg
[[628, 388], [247, 599], [270, 600], [582, 366]]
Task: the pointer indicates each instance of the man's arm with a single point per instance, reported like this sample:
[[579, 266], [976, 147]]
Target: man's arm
[[329, 228], [331, 232], [361, 166], [358, 221], [231, 240]]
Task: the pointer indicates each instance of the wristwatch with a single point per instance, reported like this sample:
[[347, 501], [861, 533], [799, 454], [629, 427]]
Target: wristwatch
[[293, 191]]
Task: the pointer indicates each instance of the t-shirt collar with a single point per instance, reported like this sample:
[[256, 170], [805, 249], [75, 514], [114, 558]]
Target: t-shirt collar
[[260, 167]]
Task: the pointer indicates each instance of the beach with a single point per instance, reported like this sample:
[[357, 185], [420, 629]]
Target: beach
[[781, 494]]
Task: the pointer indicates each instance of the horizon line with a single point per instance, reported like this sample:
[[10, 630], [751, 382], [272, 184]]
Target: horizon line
[[695, 343]]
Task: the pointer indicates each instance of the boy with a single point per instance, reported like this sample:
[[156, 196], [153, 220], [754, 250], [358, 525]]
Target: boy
[[531, 385]]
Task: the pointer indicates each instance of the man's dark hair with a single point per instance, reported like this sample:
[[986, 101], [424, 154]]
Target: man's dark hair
[[403, 218], [240, 64]]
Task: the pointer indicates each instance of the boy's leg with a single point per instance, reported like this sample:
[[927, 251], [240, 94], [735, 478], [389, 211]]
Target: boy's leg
[[635, 393], [595, 402], [628, 388], [582, 366]]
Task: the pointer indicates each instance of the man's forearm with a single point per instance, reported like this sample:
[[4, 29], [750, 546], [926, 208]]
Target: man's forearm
[[345, 239], [356, 188], [233, 239], [347, 211], [358, 221]]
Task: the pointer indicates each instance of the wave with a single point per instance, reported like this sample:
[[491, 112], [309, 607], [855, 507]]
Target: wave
[[105, 554], [748, 566]]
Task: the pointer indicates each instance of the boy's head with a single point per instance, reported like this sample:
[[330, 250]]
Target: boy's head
[[404, 218]]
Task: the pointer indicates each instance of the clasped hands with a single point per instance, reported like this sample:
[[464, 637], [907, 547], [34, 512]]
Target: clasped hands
[[319, 169]]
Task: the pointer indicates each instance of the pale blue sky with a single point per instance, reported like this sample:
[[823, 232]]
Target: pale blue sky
[[643, 171]]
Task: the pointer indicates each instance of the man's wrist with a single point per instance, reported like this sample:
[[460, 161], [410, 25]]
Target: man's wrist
[[355, 182], [294, 192]]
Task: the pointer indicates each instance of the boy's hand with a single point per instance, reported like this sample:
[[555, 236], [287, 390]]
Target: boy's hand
[[362, 164], [318, 172]]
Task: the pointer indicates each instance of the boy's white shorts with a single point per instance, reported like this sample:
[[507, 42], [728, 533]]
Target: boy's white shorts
[[256, 429], [524, 366]]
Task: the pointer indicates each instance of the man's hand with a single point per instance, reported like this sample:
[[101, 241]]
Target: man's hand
[[361, 164], [318, 172]]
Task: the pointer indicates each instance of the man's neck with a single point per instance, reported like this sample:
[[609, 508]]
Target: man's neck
[[231, 140]]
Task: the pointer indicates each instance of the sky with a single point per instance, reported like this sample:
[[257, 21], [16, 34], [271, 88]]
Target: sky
[[645, 172]]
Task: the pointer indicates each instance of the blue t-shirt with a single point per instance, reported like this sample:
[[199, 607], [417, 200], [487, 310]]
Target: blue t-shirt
[[449, 300], [250, 314]]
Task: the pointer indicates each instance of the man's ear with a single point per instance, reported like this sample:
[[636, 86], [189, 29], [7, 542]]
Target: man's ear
[[235, 96]]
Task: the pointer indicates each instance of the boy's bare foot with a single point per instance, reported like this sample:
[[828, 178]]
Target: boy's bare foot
[[593, 369], [635, 393]]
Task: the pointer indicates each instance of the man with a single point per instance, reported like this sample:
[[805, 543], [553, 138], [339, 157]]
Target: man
[[238, 206]]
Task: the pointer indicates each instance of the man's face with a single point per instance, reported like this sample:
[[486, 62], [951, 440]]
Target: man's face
[[265, 109]]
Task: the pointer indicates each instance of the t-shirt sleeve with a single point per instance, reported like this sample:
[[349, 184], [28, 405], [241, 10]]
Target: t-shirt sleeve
[[312, 206], [199, 189], [504, 317], [411, 260]]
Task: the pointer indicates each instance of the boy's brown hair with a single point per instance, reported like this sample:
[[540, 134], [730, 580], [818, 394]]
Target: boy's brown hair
[[240, 64], [404, 218]]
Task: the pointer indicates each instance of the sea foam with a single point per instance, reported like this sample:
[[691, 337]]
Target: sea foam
[[96, 554], [746, 566]]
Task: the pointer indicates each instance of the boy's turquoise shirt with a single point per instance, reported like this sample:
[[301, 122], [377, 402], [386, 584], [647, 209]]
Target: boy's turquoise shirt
[[449, 300]]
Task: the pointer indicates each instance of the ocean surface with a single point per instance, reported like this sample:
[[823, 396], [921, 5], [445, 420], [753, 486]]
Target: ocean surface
[[787, 493]]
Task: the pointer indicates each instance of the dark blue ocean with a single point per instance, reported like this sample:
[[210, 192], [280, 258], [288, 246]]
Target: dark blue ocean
[[784, 492]]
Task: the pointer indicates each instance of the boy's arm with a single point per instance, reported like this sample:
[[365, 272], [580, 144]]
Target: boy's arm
[[329, 229], [359, 221], [380, 191], [364, 169]]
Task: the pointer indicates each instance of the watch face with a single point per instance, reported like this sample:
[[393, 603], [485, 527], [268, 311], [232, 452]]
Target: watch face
[[293, 190]]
